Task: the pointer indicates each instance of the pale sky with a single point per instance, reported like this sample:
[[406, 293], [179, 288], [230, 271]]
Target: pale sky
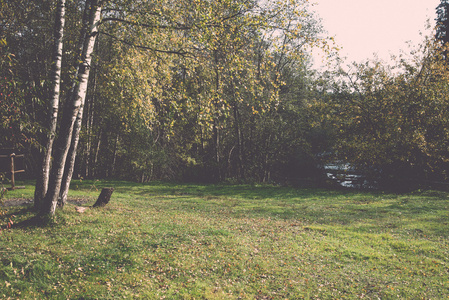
[[364, 27]]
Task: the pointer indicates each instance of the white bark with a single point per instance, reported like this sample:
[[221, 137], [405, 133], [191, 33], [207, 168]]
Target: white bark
[[73, 106], [70, 163], [42, 179]]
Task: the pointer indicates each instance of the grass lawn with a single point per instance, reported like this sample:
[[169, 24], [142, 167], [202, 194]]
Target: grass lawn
[[162, 240]]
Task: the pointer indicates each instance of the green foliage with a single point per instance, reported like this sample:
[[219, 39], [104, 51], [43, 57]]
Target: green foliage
[[25, 58], [221, 241], [191, 90], [442, 21], [222, 90], [194, 87], [392, 122], [16, 127]]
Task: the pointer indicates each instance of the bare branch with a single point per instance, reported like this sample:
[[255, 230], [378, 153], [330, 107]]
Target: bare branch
[[177, 52], [177, 27]]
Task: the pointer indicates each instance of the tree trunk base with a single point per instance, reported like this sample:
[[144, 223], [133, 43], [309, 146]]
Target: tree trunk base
[[104, 197]]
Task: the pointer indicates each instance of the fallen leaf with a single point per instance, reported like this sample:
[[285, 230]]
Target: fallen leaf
[[80, 209]]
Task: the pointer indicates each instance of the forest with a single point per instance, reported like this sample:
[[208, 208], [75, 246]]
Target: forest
[[211, 91]]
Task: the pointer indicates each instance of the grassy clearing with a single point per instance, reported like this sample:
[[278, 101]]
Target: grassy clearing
[[171, 241]]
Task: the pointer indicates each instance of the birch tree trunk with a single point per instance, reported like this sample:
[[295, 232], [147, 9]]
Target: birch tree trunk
[[42, 179], [71, 111], [70, 162], [97, 151], [88, 110], [239, 148]]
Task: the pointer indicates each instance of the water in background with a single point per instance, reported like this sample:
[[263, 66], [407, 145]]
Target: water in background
[[346, 176]]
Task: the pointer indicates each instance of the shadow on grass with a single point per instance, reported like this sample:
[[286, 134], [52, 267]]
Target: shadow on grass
[[365, 210], [33, 222], [29, 219], [165, 188]]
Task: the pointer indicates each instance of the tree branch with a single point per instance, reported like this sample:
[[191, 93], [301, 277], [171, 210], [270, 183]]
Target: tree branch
[[177, 52], [177, 27]]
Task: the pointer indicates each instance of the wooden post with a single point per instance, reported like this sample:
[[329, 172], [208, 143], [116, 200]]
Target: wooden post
[[12, 169], [13, 182], [104, 197], [8, 164]]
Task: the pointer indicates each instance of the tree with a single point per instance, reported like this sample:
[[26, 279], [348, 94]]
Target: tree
[[43, 176], [24, 44], [442, 20], [72, 107], [71, 155], [392, 125], [198, 78]]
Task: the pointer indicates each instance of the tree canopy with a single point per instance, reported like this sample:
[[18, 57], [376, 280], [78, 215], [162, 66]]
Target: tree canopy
[[442, 21], [392, 122]]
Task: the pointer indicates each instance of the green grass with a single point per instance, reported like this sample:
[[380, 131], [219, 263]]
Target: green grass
[[162, 240]]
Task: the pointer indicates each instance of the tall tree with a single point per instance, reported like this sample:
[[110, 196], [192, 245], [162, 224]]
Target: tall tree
[[72, 107], [70, 161], [42, 178], [442, 31]]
